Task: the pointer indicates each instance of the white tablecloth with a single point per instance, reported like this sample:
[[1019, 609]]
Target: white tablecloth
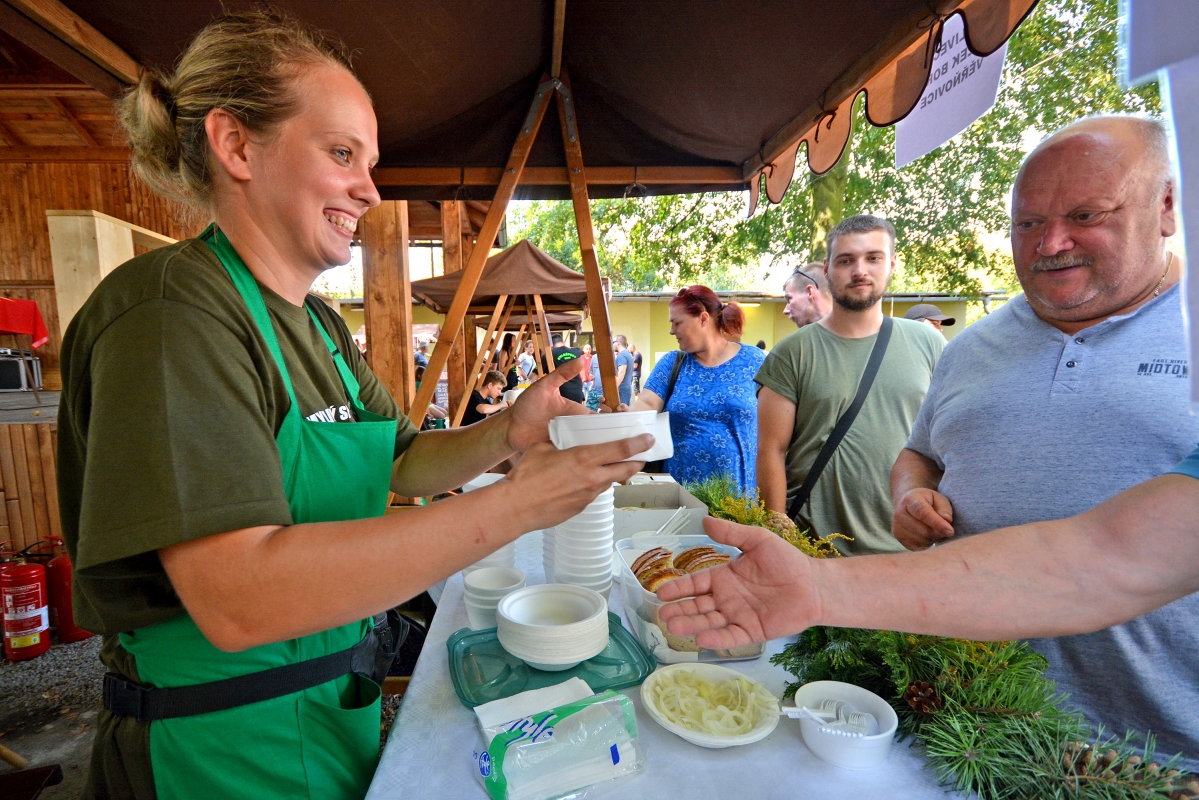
[[428, 752]]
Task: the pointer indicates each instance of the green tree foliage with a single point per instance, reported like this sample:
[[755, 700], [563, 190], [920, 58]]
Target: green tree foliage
[[1061, 66]]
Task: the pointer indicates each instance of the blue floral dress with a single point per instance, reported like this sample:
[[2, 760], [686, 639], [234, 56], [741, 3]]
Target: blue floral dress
[[713, 416]]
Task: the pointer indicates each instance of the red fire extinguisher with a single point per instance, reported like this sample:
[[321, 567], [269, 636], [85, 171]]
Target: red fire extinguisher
[[23, 598], [62, 615]]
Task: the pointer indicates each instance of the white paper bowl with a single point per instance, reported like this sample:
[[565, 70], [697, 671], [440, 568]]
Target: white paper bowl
[[589, 429], [589, 563], [593, 518], [553, 624], [709, 672], [583, 422], [864, 752], [492, 583], [486, 479], [580, 554], [480, 617]]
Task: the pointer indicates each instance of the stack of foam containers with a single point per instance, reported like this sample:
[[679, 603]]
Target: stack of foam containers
[[581, 547], [506, 555]]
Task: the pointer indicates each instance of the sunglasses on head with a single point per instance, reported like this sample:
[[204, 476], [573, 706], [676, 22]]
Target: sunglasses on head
[[799, 273]]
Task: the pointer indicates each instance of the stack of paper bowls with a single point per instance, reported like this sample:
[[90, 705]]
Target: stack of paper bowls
[[582, 547], [547, 553], [485, 588], [553, 627], [506, 555]]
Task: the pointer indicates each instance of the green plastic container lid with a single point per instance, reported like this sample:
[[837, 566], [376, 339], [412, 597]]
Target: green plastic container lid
[[482, 670]]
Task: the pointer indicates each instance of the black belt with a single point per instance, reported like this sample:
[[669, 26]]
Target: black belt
[[371, 657]]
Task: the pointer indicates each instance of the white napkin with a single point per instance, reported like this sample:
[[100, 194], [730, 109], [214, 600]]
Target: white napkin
[[531, 702]]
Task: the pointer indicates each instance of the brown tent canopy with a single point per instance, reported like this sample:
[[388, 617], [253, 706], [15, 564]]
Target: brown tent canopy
[[671, 96], [522, 269], [557, 322]]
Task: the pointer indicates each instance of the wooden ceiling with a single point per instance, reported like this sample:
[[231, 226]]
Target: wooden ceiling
[[44, 106]]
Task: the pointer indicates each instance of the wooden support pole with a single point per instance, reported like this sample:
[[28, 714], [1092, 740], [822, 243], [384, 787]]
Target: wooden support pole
[[545, 331], [452, 261], [559, 30], [493, 347], [540, 365], [387, 300], [473, 375], [487, 233], [596, 302]]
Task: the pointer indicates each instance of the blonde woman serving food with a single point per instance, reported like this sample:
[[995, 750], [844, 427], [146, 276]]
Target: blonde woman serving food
[[225, 454]]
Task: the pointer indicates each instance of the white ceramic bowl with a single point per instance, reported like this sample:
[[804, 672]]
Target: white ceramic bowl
[[862, 752], [492, 583], [553, 624], [709, 672]]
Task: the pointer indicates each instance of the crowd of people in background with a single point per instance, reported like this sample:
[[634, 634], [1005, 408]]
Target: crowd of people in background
[[874, 427]]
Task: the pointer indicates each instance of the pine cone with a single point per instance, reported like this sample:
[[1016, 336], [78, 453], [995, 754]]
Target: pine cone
[[778, 521], [922, 698]]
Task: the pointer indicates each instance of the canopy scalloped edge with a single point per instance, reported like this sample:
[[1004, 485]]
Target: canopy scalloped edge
[[891, 92]]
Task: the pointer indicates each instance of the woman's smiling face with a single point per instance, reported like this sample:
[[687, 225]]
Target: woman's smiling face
[[316, 169]]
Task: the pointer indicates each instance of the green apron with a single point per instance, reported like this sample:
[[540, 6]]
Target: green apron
[[321, 743]]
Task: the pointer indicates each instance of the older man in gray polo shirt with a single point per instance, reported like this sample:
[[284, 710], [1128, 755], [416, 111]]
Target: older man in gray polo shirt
[[1069, 394]]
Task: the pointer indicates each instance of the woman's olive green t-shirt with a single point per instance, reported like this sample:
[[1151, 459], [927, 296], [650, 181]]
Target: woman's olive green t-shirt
[[170, 406]]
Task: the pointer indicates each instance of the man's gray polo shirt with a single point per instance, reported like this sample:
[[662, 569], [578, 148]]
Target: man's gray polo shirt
[[1030, 424]]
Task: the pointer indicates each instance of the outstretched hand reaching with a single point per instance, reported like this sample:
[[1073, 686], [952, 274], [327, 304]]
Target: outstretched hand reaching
[[764, 593]]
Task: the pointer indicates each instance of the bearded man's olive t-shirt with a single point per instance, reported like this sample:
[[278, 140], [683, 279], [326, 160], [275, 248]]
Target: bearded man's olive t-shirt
[[819, 371], [170, 406]]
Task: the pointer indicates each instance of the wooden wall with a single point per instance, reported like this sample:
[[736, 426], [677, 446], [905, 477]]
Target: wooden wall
[[28, 484], [27, 190]]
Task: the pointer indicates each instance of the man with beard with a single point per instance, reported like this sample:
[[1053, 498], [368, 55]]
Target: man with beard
[[806, 293], [1081, 388], [811, 378]]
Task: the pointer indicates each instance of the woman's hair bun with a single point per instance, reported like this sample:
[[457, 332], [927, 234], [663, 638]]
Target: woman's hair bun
[[147, 114], [243, 63]]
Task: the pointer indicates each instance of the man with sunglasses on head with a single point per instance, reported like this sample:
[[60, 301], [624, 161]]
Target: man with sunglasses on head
[[807, 295], [824, 456]]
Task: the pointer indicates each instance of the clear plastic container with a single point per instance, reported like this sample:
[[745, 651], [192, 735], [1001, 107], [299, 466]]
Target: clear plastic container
[[642, 606]]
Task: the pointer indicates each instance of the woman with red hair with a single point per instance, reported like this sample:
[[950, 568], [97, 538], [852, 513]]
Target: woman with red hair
[[708, 387]]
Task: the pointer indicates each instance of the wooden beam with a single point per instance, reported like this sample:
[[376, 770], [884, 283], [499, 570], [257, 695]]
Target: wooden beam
[[545, 331], [596, 301], [480, 358], [75, 31], [491, 226], [387, 300], [452, 262], [10, 139], [559, 29], [38, 91], [90, 155], [51, 47], [75, 124], [493, 347], [558, 176], [899, 38], [539, 363]]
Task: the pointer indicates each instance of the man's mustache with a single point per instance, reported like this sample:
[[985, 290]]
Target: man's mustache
[[1053, 263]]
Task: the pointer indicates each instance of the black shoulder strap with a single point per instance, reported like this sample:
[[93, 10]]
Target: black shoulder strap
[[675, 369], [843, 424]]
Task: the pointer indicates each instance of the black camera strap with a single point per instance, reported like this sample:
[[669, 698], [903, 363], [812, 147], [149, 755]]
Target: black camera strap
[[846, 420]]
